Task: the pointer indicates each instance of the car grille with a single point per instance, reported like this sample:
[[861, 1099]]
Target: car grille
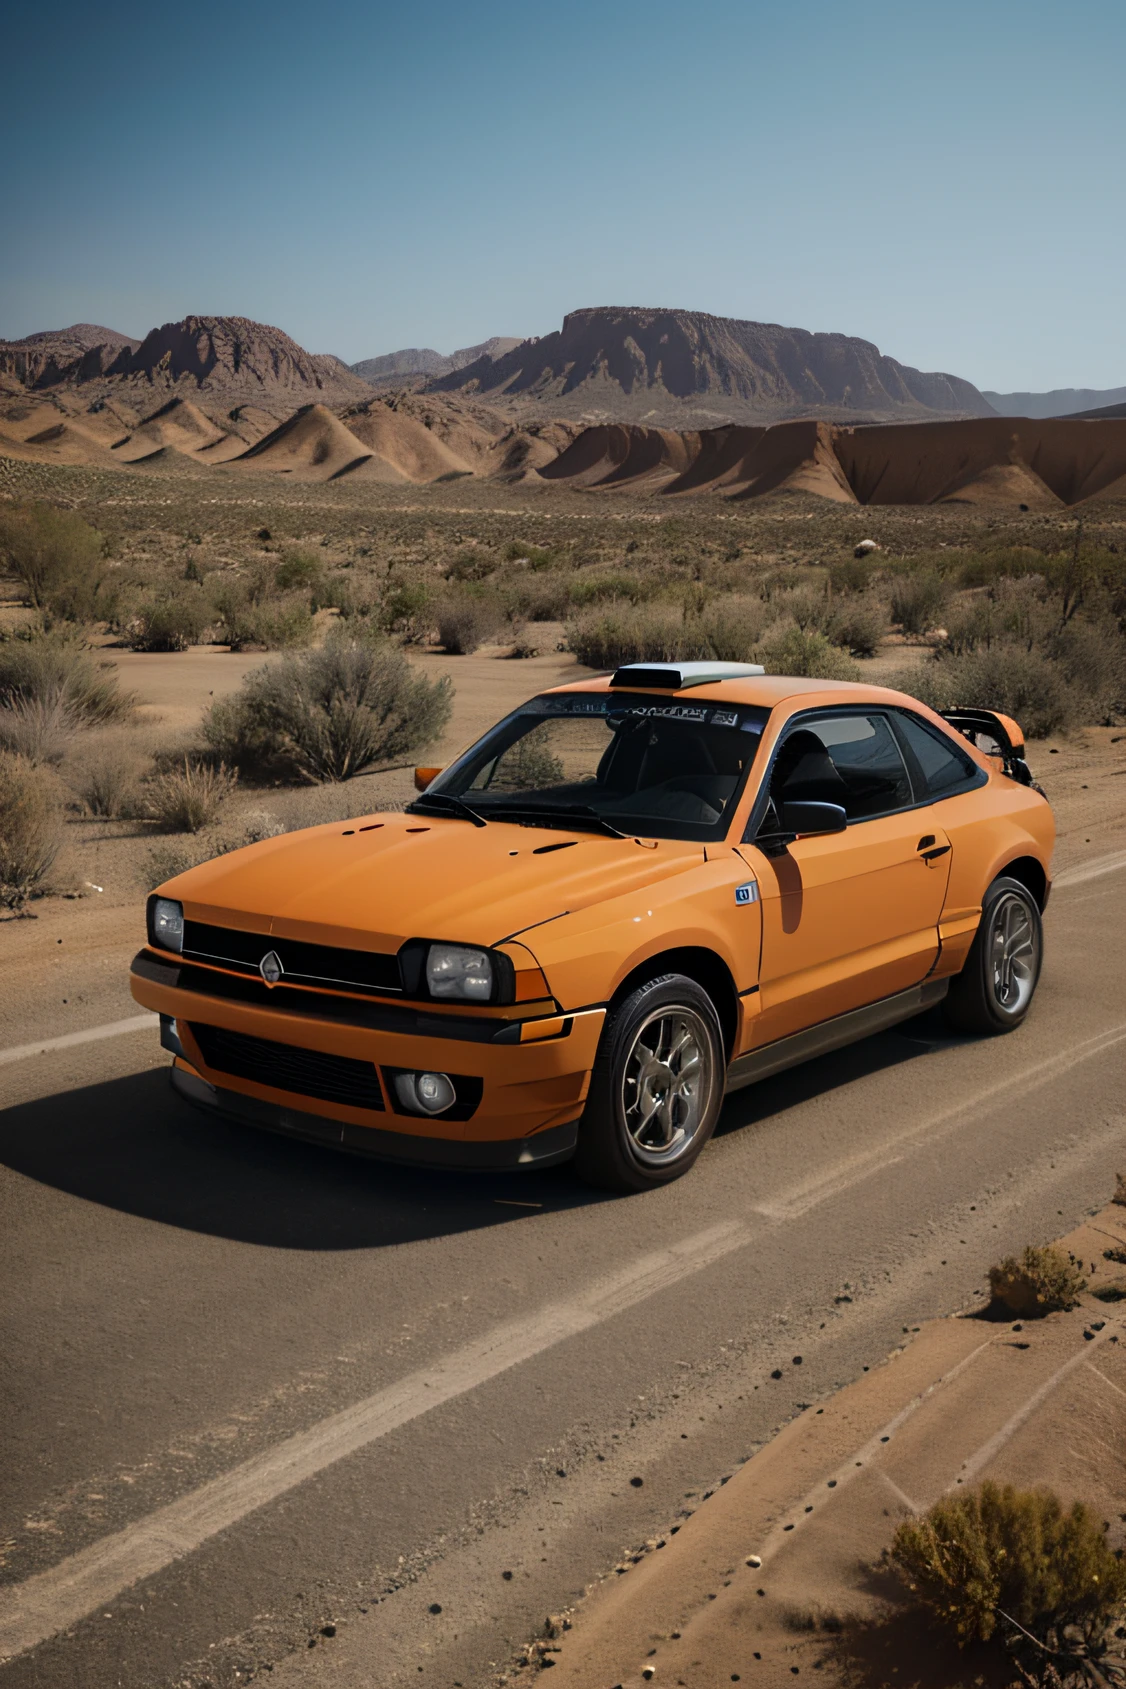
[[308, 1073], [364, 971]]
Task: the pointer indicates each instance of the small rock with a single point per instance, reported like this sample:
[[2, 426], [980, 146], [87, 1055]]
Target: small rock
[[865, 547], [328, 1630], [754, 1560], [777, 1373], [797, 1360], [637, 1482], [648, 1671], [435, 1607], [507, 1576]]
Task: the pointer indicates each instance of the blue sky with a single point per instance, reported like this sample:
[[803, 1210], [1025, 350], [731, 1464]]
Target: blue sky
[[947, 181]]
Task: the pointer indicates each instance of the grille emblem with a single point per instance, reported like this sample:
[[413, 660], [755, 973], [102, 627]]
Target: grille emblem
[[270, 967]]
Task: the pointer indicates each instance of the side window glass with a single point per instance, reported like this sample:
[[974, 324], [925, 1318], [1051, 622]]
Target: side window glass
[[851, 760], [945, 768]]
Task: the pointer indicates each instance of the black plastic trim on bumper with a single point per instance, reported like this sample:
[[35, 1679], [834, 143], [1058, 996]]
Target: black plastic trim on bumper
[[829, 1035], [544, 1149], [322, 1005]]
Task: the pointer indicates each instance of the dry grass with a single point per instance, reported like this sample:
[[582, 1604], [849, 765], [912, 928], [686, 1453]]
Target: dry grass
[[188, 798], [1040, 1281], [30, 828], [39, 729]]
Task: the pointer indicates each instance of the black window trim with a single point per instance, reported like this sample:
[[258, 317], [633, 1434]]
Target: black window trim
[[976, 778], [837, 711]]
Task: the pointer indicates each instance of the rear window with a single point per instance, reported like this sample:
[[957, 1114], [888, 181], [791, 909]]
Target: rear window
[[944, 768]]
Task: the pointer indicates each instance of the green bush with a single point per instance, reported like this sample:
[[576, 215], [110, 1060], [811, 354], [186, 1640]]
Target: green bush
[[981, 1557], [170, 622], [329, 714], [298, 570], [407, 609], [645, 633], [51, 665], [30, 828], [593, 588], [798, 653], [48, 549], [918, 599], [188, 798], [1038, 1282]]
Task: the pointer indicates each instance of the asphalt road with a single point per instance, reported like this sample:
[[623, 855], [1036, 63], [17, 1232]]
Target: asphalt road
[[254, 1390]]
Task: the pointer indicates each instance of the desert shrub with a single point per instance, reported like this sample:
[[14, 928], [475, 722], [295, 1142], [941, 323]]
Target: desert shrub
[[1092, 657], [46, 548], [536, 556], [107, 783], [188, 798], [170, 622], [330, 714], [298, 570], [529, 765], [624, 633], [1023, 684], [600, 589], [249, 618], [466, 620], [474, 564], [808, 606], [1040, 1281], [983, 568], [50, 665], [982, 1557], [735, 627], [852, 574], [918, 599], [347, 594], [859, 624], [797, 653], [30, 828], [39, 729], [407, 609], [539, 598]]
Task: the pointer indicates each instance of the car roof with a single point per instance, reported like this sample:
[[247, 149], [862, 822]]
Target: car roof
[[765, 690]]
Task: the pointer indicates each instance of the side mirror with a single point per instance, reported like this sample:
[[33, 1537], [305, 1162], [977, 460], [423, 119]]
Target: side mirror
[[423, 777], [807, 818]]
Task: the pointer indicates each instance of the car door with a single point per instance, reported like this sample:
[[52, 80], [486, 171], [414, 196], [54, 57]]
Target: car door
[[851, 917]]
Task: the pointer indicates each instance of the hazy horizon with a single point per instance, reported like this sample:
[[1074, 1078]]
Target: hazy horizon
[[948, 187]]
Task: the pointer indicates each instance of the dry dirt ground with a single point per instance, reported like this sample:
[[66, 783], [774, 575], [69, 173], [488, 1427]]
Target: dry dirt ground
[[781, 1571]]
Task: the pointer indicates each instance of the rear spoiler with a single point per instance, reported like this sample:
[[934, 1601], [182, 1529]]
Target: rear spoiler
[[1006, 739]]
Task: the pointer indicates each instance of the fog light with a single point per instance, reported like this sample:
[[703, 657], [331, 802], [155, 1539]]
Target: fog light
[[425, 1093]]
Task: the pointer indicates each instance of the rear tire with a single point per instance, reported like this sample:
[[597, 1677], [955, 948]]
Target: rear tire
[[995, 988], [656, 1089]]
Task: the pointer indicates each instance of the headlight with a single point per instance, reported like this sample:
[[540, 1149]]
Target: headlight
[[166, 923], [453, 970]]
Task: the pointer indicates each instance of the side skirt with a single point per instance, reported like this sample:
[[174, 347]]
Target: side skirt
[[834, 1034]]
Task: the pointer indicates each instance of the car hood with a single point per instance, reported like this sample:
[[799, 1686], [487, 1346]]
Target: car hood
[[374, 882]]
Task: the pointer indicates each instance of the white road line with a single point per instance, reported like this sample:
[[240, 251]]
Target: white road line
[[53, 1600], [1092, 870], [889, 1150], [112, 1029]]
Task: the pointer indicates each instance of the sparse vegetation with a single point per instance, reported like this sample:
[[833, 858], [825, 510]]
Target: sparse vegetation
[[918, 598], [188, 798], [170, 622], [39, 729], [329, 714], [467, 621], [1039, 1281], [1014, 1566], [108, 783], [48, 666], [30, 828], [49, 551]]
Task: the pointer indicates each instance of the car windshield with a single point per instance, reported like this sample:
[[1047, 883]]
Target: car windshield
[[615, 761]]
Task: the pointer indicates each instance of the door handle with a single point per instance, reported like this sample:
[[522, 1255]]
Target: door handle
[[935, 853]]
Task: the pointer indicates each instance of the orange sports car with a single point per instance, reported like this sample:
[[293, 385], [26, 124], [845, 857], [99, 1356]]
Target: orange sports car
[[634, 894]]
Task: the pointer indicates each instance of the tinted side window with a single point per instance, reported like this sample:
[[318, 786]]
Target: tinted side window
[[944, 767], [859, 765]]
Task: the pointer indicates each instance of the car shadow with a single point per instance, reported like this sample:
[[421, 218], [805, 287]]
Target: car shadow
[[133, 1145], [824, 1074]]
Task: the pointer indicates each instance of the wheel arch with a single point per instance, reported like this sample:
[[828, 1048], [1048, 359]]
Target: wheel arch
[[697, 962], [1029, 870]]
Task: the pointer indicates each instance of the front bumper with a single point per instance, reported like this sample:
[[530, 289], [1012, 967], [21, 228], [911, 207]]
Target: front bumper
[[528, 1079], [545, 1149]]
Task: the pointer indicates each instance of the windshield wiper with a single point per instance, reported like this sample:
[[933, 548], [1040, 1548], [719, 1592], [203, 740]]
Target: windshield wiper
[[451, 805], [580, 816]]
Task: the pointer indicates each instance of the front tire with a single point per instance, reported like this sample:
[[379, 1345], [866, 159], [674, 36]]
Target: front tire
[[656, 1089], [994, 990]]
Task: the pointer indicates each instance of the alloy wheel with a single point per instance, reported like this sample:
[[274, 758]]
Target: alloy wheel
[[667, 1084], [1014, 957]]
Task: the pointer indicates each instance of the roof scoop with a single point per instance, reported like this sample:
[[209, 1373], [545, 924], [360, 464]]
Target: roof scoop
[[678, 677]]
